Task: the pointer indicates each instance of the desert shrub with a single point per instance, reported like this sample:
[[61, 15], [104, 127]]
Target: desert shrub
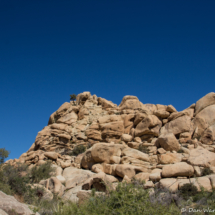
[[180, 151], [43, 171], [188, 190], [3, 154], [206, 171], [143, 149], [10, 176], [127, 199], [5, 188], [78, 150]]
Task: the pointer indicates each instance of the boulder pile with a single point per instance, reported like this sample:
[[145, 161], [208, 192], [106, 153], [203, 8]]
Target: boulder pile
[[155, 143]]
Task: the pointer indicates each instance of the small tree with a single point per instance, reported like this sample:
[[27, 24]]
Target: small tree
[[3, 154], [73, 97]]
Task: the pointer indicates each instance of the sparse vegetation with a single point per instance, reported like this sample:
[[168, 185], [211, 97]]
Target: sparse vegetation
[[73, 98], [3, 154], [206, 171], [78, 150], [180, 151], [188, 190], [41, 172], [143, 149]]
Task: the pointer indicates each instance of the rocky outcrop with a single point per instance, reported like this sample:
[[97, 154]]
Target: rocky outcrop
[[150, 142]]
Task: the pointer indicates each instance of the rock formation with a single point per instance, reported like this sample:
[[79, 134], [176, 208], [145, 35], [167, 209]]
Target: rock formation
[[148, 142]]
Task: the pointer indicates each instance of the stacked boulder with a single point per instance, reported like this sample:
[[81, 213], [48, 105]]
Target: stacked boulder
[[155, 143]]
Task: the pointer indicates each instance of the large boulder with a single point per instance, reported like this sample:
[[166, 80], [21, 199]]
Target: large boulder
[[201, 157], [208, 136], [150, 124], [177, 169], [75, 175], [100, 182], [168, 142], [105, 103], [112, 129], [82, 98], [130, 102], [205, 101], [204, 119], [169, 158], [11, 206], [169, 183], [68, 118], [135, 154], [125, 169], [87, 160], [106, 152], [178, 125]]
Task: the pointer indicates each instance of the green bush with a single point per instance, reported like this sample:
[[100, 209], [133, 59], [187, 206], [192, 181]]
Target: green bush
[[78, 150], [206, 171], [3, 154], [188, 190], [143, 149], [43, 171], [127, 199]]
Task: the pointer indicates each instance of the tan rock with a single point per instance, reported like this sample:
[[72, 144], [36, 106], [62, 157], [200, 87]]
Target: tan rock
[[100, 182], [130, 102], [168, 142], [161, 107], [161, 151], [126, 137], [149, 108], [68, 118], [169, 183], [83, 113], [105, 152], [205, 101], [87, 160], [148, 184], [11, 206], [97, 168], [149, 125], [201, 157], [61, 179], [65, 164], [125, 169], [93, 134], [169, 158], [161, 113], [112, 129], [177, 169], [133, 145], [142, 176], [72, 173], [178, 125], [204, 119], [155, 177], [171, 109], [55, 186], [212, 180], [51, 155], [105, 103], [82, 97], [128, 122], [135, 154], [208, 136]]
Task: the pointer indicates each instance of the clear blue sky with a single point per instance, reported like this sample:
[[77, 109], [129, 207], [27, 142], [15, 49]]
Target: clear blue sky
[[161, 51]]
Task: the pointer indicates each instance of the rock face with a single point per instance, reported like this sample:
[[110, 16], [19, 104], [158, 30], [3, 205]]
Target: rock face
[[150, 142], [10, 205]]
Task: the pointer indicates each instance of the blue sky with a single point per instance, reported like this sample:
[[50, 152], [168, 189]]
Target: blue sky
[[163, 52]]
